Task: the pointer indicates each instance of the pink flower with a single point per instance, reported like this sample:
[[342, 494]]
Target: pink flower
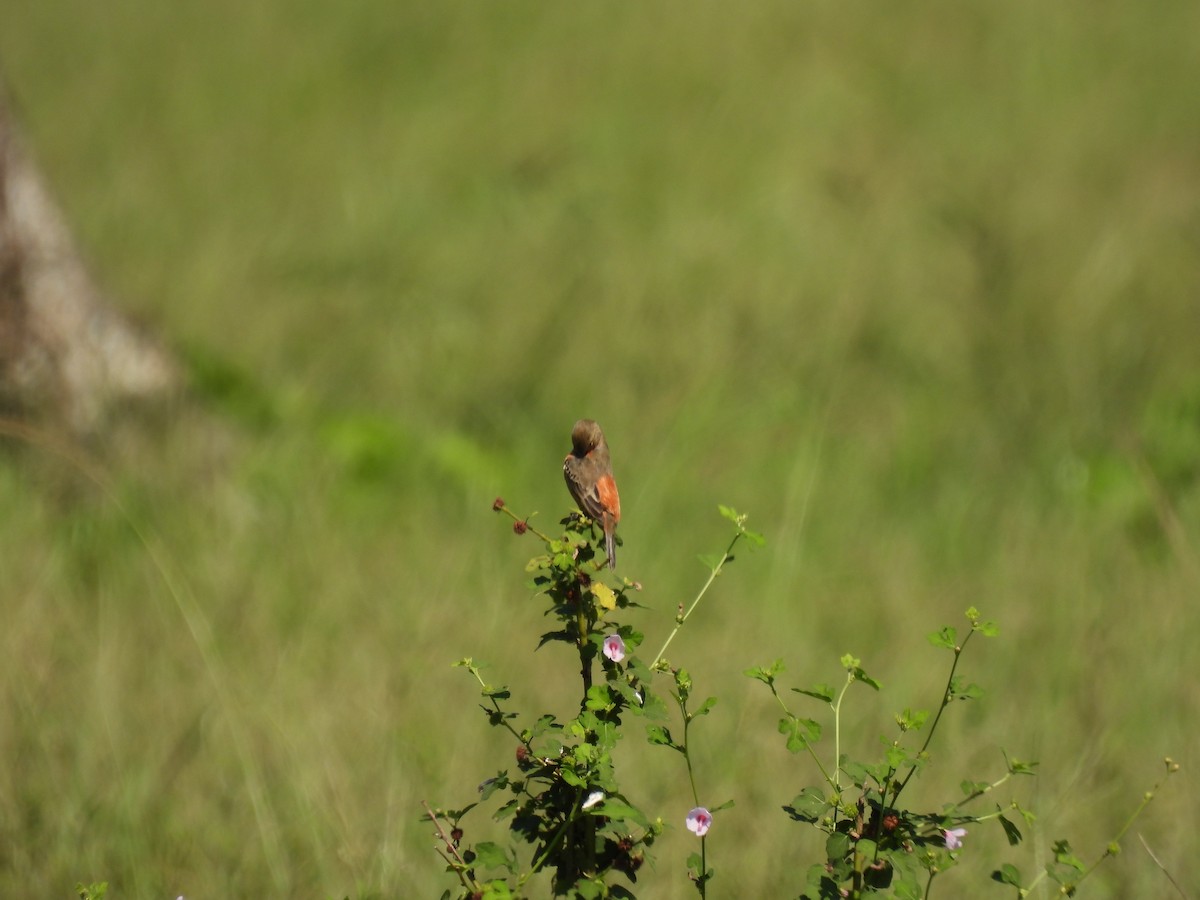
[[699, 820], [614, 647], [954, 837]]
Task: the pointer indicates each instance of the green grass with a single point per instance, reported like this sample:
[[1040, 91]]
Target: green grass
[[916, 287]]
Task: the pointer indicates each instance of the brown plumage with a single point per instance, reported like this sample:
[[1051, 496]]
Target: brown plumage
[[588, 471]]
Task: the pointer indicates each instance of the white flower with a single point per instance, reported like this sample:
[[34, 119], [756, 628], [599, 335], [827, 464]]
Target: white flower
[[593, 798], [614, 647], [954, 837], [699, 820]]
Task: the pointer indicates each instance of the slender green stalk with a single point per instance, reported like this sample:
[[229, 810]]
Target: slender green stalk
[[683, 616], [807, 744], [703, 881], [941, 709], [837, 735], [556, 840], [975, 795], [687, 757], [1114, 846]]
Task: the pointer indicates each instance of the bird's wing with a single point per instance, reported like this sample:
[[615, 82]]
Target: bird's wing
[[589, 500]]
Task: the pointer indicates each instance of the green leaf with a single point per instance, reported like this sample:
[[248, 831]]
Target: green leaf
[[571, 778], [765, 674], [705, 707], [505, 810], [654, 708], [1019, 767], [896, 757], [452, 814], [617, 809], [988, 629], [1064, 855], [659, 734], [1007, 874], [912, 720], [754, 538], [799, 732], [492, 856], [1011, 832], [632, 696], [837, 846], [860, 675], [973, 787], [807, 806], [492, 785], [947, 637], [970, 692], [820, 691], [598, 697], [496, 890], [907, 884], [860, 774]]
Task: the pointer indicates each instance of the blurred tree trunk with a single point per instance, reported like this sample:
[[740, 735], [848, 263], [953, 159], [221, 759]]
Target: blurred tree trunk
[[67, 357]]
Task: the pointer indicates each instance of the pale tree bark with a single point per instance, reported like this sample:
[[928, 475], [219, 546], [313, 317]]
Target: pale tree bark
[[67, 356]]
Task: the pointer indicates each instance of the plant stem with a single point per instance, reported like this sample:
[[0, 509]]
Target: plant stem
[[837, 735], [585, 660], [807, 744], [941, 709], [512, 515], [576, 808], [683, 617], [1114, 844], [979, 793], [458, 864]]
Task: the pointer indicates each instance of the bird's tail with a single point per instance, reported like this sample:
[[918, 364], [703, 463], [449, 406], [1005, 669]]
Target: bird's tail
[[610, 547]]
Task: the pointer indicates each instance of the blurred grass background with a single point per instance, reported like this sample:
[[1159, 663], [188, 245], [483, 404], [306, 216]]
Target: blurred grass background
[[916, 287]]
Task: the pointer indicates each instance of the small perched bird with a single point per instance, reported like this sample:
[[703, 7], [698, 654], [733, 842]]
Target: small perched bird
[[588, 471]]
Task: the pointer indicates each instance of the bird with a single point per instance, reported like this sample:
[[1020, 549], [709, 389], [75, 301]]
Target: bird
[[588, 472]]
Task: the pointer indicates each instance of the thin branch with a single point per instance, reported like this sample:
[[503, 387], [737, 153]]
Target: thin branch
[[1158, 863], [458, 864], [683, 616]]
